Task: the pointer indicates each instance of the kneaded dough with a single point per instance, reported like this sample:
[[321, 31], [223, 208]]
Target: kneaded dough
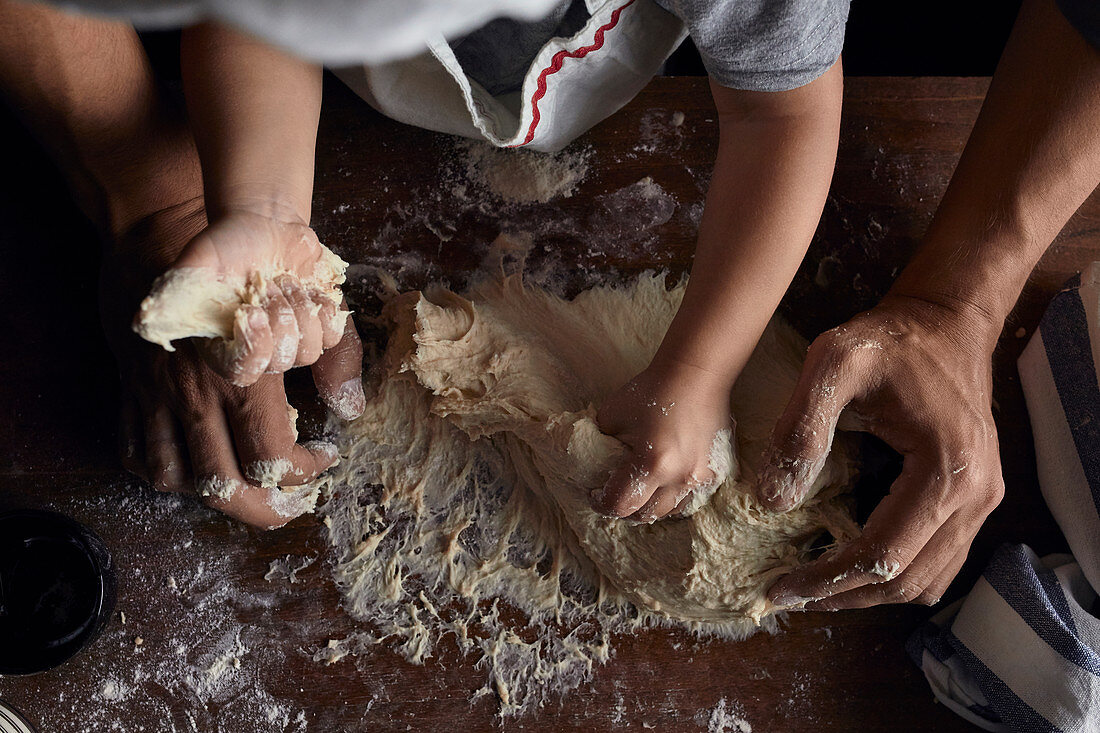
[[198, 301], [526, 370]]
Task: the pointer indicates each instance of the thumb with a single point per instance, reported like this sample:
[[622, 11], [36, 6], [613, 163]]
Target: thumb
[[803, 435], [338, 374], [628, 489]]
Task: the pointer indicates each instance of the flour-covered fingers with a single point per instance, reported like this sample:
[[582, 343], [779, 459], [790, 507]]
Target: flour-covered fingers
[[284, 331], [627, 490], [897, 530], [338, 375], [264, 437], [803, 435], [935, 590], [164, 462], [665, 501], [244, 358], [218, 478], [332, 320], [310, 337], [925, 578]]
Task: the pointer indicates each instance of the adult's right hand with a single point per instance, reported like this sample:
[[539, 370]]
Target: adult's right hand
[[917, 374]]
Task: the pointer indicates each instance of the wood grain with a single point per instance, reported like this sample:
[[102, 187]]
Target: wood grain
[[397, 197]]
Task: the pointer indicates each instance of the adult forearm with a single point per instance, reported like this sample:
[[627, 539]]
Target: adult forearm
[[84, 88], [771, 177], [1032, 159], [254, 112]]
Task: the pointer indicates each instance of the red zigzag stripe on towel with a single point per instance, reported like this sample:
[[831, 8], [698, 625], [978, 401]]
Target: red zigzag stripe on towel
[[559, 59]]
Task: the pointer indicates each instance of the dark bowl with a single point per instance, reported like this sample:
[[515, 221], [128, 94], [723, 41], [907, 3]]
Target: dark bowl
[[57, 590]]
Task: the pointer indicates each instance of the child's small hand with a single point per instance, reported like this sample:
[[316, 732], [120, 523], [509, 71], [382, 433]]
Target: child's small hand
[[295, 325], [669, 416]]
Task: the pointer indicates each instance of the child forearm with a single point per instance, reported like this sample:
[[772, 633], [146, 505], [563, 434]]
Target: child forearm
[[254, 112], [775, 161]]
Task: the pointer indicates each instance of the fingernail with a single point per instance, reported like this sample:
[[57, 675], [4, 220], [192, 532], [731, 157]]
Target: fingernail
[[787, 600], [324, 447], [219, 487], [348, 401], [596, 501], [255, 319], [339, 321], [776, 488], [269, 472], [291, 503]]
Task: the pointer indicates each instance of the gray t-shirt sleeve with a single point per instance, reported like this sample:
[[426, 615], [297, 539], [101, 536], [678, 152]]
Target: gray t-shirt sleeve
[[764, 45], [1084, 15]]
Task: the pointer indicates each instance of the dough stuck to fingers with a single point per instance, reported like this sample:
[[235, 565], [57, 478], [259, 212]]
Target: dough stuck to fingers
[[201, 302]]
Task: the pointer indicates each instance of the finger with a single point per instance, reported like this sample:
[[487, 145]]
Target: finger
[[803, 435], [264, 438], [131, 446], [935, 590], [218, 477], [164, 463], [681, 508], [332, 319], [627, 490], [338, 374], [244, 358], [284, 332], [937, 563], [664, 501], [310, 338], [897, 530]]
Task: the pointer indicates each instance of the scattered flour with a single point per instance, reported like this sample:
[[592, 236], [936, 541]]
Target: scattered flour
[[209, 670], [523, 176], [286, 570], [727, 718]]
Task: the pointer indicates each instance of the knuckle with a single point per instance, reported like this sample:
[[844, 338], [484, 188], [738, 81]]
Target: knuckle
[[659, 463], [992, 496], [833, 349], [904, 590]]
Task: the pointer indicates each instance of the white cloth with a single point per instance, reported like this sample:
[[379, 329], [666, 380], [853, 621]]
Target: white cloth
[[331, 32], [1022, 651], [572, 84]]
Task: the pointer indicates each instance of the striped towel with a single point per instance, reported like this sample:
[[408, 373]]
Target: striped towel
[[1021, 652]]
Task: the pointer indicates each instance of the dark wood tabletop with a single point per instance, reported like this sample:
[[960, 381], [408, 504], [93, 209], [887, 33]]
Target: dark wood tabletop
[[191, 584]]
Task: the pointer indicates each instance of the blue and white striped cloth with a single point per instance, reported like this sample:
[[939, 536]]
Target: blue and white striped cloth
[[1021, 652]]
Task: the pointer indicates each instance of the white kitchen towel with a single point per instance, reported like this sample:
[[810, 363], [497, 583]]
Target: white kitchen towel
[[1021, 652], [332, 32], [572, 84]]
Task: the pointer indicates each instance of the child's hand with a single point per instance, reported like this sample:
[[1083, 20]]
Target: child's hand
[[294, 325], [185, 428], [669, 417]]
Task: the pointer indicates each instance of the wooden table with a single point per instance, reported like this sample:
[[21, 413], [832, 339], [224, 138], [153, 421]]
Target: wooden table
[[191, 584]]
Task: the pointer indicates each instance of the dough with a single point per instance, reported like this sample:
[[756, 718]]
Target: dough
[[197, 301], [481, 435]]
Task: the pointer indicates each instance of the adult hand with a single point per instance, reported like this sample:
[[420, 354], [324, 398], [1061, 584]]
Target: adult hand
[[668, 416], [917, 374], [183, 426]]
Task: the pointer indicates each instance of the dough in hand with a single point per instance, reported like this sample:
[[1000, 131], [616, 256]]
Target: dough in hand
[[525, 371], [201, 302]]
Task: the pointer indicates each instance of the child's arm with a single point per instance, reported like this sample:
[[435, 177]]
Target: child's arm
[[254, 112], [775, 161]]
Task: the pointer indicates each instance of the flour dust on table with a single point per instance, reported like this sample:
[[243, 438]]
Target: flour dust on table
[[461, 504]]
